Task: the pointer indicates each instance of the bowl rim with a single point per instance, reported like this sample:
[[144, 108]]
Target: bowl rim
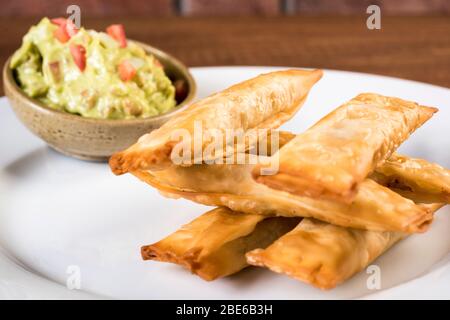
[[8, 78]]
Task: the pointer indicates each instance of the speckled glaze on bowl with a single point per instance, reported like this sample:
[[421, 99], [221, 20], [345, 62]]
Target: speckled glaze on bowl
[[86, 138]]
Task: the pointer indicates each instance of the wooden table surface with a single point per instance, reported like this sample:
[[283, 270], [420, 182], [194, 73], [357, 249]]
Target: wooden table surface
[[416, 48]]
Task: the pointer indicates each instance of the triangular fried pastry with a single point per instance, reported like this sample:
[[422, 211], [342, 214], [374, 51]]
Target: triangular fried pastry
[[263, 102], [214, 244]]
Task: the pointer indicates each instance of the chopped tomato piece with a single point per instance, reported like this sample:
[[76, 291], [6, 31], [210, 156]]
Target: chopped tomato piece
[[66, 29], [59, 21], [117, 32], [78, 53], [61, 34], [126, 71]]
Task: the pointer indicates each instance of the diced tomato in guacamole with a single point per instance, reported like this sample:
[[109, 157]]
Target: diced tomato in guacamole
[[89, 73], [117, 31]]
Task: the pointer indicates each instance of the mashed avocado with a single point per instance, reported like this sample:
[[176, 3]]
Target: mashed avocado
[[91, 73]]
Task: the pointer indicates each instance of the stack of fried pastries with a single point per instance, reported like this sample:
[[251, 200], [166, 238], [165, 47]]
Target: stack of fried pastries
[[340, 197]]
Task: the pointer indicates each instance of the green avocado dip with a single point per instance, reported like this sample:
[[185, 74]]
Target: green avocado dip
[[92, 74]]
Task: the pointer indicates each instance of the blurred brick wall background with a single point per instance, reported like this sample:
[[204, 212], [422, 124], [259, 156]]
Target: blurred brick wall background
[[112, 8]]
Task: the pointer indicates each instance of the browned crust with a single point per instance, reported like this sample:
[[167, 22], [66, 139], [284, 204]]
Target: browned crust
[[133, 159], [421, 223], [189, 260], [299, 186], [422, 197], [313, 276]]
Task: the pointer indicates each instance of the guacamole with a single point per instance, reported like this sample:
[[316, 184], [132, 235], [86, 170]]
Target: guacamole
[[89, 73]]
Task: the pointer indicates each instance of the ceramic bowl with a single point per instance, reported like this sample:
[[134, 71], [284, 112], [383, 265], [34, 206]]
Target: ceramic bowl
[[87, 138]]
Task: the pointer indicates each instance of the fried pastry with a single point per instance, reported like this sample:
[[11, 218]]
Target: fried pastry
[[214, 244], [333, 157], [428, 181], [322, 254], [264, 102], [375, 207]]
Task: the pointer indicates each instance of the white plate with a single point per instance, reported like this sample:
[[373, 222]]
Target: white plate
[[58, 213]]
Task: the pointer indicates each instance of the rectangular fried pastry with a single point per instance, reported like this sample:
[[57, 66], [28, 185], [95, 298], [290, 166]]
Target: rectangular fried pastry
[[322, 254], [214, 244], [333, 157], [375, 207], [266, 102]]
